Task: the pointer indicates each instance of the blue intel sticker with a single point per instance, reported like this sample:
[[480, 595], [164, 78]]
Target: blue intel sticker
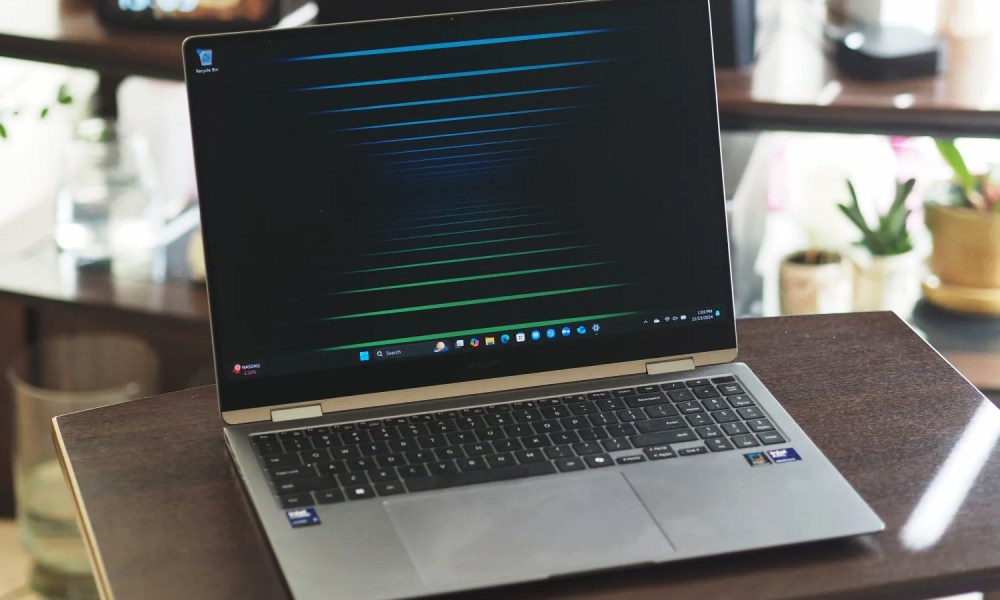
[[757, 459], [783, 455], [302, 517]]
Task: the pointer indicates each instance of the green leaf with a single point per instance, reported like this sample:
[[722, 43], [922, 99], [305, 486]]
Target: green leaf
[[44, 113], [954, 159], [63, 96], [3, 131]]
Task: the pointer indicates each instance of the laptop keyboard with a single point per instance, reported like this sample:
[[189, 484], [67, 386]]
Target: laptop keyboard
[[497, 442]]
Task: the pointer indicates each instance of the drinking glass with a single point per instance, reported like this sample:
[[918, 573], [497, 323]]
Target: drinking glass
[[60, 376]]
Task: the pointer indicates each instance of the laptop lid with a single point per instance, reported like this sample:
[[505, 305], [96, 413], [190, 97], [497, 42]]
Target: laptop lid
[[425, 207]]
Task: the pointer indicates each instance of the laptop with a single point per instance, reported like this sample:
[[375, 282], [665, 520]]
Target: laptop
[[471, 302]]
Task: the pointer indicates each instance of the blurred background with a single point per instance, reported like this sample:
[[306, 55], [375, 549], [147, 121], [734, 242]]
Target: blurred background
[[861, 147]]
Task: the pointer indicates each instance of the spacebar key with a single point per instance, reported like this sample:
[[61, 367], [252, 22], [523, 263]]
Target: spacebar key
[[423, 484]]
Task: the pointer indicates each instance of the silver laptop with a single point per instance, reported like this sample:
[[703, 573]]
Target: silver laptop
[[472, 307]]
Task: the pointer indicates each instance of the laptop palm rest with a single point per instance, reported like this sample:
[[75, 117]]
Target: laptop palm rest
[[530, 529]]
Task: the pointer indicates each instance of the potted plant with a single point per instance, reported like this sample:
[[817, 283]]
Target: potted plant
[[964, 220], [888, 278], [815, 281]]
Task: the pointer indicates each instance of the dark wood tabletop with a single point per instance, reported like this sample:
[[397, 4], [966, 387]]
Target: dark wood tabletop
[[167, 516]]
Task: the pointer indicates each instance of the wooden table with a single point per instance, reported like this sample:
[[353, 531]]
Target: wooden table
[[167, 518]]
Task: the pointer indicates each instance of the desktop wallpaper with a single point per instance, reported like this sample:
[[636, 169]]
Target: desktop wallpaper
[[398, 184]]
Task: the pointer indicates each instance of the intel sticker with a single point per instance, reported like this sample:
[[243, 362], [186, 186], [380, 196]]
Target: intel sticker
[[757, 459], [302, 517], [783, 455]]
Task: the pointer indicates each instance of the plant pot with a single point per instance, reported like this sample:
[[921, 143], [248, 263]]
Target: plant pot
[[810, 287], [888, 283], [966, 246]]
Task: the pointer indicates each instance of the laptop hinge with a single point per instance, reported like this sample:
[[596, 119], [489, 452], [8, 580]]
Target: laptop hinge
[[299, 412], [670, 366]]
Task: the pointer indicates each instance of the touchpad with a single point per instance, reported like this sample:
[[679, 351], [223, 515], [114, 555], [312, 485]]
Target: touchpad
[[527, 529]]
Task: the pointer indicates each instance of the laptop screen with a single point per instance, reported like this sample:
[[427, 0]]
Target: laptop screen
[[440, 199]]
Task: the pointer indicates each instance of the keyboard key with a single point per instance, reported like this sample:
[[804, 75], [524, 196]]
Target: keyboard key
[[432, 441], [535, 441], [723, 379], [690, 407], [262, 438], [500, 460], [597, 461], [508, 445], [627, 391], [630, 414], [593, 434], [349, 479], [549, 402], [626, 460], [547, 426], [329, 469], [374, 448], [345, 452], [441, 468], [498, 408], [673, 385], [570, 464], [610, 404], [707, 391], [750, 413], [291, 435], [574, 398], [404, 445], [295, 486], [529, 456], [519, 429], [554, 412], [328, 496], [575, 422], [461, 437], [647, 389], [369, 424], [449, 452], [498, 419], [325, 440], [714, 404], [770, 437], [735, 428], [692, 451], [411, 471], [419, 457], [681, 395], [528, 415], [471, 422], [297, 472], [390, 488], [758, 425], [584, 448], [718, 444], [646, 400], [616, 444], [296, 445], [477, 449], [282, 460], [660, 411], [731, 389], [745, 441], [382, 475], [522, 405], [660, 449], [621, 429], [599, 395], [661, 424], [413, 430], [484, 476], [560, 451], [708, 432], [663, 437], [269, 448], [395, 421], [295, 500], [583, 408], [739, 401], [473, 463], [490, 433], [725, 416], [603, 419], [355, 437], [360, 464], [442, 426], [699, 419], [361, 492], [564, 437], [693, 383], [421, 418]]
